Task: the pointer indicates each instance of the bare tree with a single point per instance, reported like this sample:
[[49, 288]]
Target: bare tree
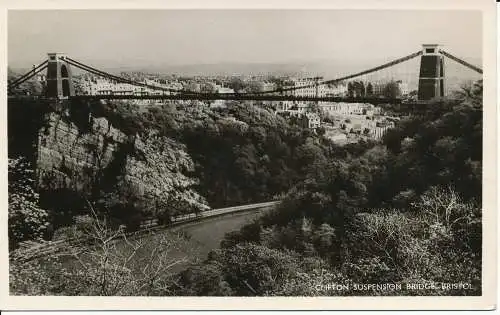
[[115, 263]]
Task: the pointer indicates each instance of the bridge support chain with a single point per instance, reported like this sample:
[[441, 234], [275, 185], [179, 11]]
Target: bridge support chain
[[28, 75], [351, 76], [117, 78], [462, 62]]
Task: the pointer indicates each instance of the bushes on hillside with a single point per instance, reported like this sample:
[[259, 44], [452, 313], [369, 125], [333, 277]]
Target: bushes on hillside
[[407, 211], [380, 246], [27, 221], [244, 270]]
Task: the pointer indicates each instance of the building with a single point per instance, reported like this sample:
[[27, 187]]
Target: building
[[268, 86], [349, 108], [378, 132], [293, 107], [403, 87], [380, 88], [310, 87], [101, 86], [223, 90], [284, 106], [310, 120]]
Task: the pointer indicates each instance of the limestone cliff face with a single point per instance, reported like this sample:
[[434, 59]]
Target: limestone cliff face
[[68, 158], [158, 170], [83, 154]]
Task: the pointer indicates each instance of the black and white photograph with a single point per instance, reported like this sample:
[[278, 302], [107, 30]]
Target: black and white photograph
[[246, 153]]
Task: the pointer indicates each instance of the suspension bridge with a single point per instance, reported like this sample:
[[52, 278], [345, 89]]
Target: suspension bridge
[[430, 82]]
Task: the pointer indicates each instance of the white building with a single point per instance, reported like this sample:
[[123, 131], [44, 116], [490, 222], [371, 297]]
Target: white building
[[101, 86], [378, 88], [268, 86], [403, 87], [222, 90], [292, 107], [310, 87], [349, 108]]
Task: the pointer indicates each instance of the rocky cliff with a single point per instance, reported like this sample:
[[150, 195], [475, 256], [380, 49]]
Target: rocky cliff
[[69, 158], [76, 150]]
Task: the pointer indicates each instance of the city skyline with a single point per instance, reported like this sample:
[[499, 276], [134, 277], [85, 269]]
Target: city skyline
[[190, 37]]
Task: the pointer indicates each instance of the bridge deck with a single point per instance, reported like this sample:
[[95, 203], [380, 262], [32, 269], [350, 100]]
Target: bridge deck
[[242, 97]]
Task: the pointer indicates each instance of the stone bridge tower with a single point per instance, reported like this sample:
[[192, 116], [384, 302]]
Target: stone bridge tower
[[431, 79], [59, 78]]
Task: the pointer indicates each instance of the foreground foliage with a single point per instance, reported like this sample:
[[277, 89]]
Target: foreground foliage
[[110, 264]]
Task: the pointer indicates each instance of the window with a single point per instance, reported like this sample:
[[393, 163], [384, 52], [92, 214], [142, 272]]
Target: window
[[430, 50]]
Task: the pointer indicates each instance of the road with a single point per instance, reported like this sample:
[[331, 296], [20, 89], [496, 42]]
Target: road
[[206, 235]]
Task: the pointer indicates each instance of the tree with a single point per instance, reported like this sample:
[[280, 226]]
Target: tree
[[369, 89], [255, 87], [241, 270], [193, 87], [321, 131], [324, 238], [350, 89], [236, 84], [362, 89], [392, 90], [27, 221], [207, 88]]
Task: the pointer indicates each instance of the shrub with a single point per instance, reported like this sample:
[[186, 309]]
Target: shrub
[[27, 221], [110, 264]]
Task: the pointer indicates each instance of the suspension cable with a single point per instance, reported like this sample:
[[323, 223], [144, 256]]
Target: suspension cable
[[123, 80], [101, 73], [19, 82], [117, 78], [462, 62], [29, 73], [386, 65], [281, 90]]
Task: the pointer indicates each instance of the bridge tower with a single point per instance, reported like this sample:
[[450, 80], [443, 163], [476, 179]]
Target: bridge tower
[[59, 78], [431, 79]]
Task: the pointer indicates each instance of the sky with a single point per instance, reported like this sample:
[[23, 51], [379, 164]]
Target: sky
[[189, 37]]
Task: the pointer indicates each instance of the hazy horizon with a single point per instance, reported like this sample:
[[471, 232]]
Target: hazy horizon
[[176, 38]]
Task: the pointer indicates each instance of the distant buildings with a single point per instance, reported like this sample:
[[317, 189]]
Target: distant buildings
[[349, 108], [268, 86], [222, 90], [310, 87], [100, 86], [306, 87], [378, 88], [390, 89], [334, 90]]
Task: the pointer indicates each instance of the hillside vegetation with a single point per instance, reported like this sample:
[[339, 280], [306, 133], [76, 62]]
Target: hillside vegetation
[[404, 211]]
